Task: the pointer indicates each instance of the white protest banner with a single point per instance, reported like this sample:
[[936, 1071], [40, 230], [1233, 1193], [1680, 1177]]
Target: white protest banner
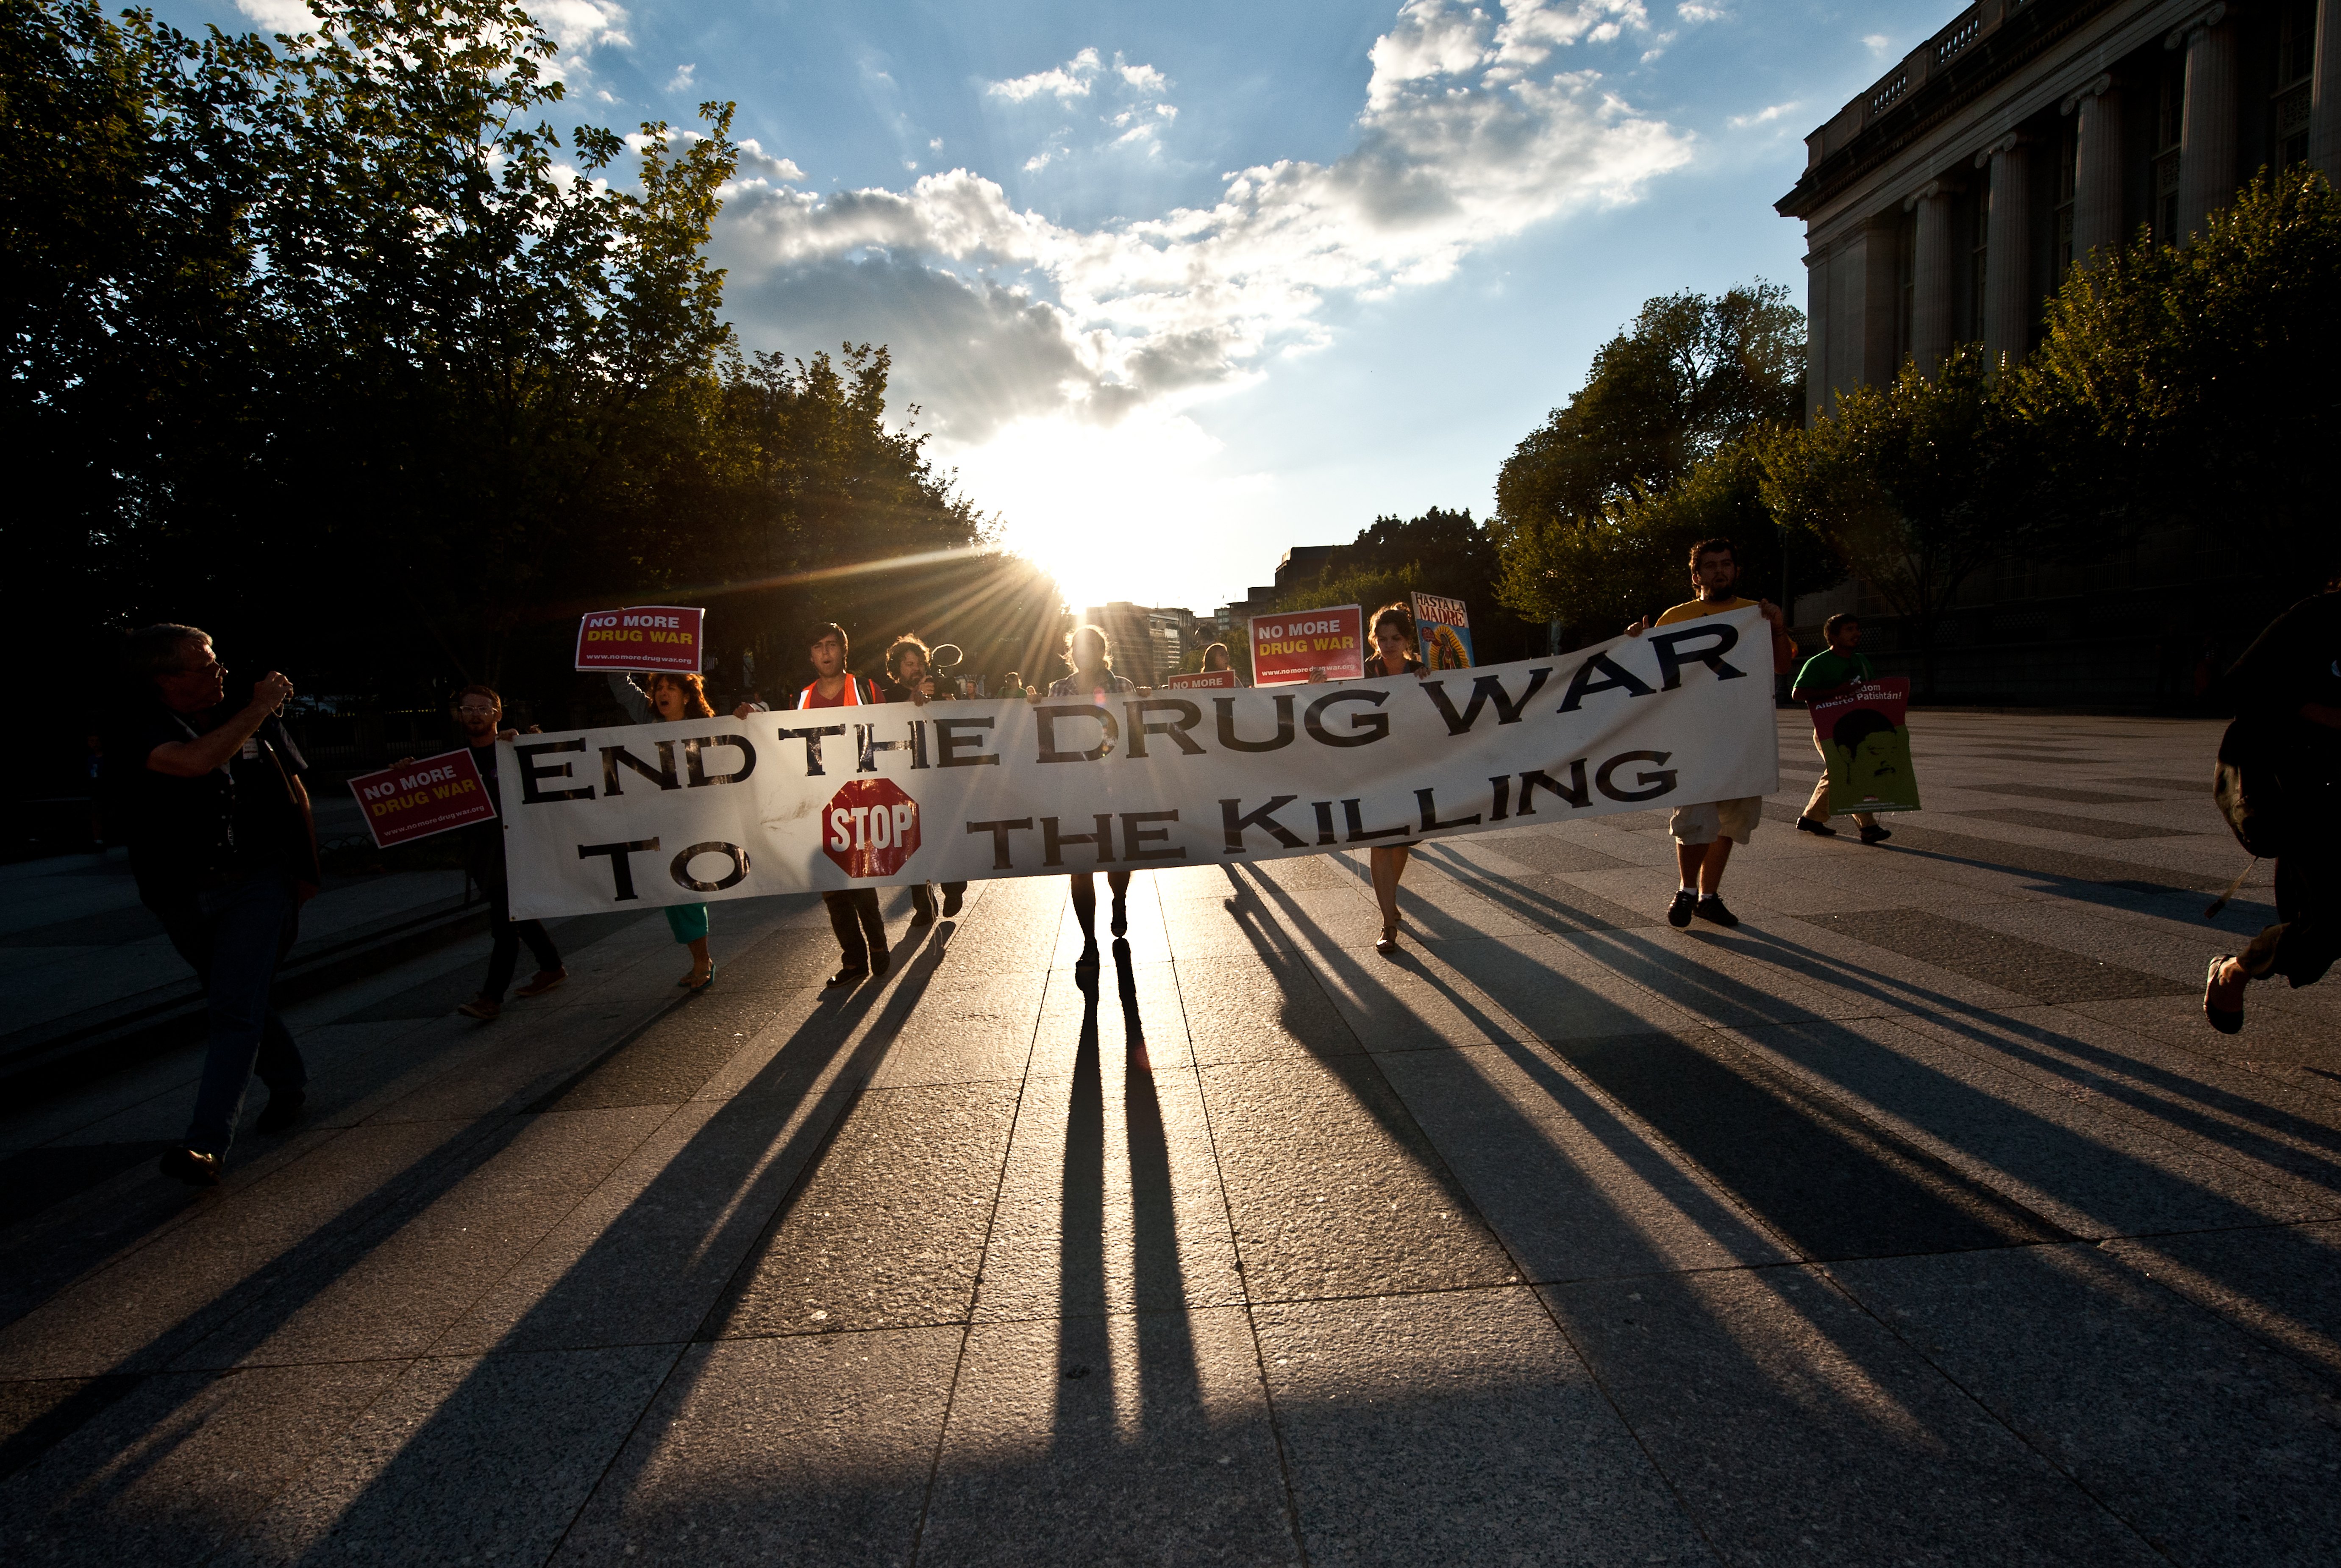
[[835, 798]]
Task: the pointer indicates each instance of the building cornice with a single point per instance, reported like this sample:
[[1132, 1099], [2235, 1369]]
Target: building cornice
[[1894, 117]]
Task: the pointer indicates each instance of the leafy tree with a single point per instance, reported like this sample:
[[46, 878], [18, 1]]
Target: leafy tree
[[337, 346], [1586, 510], [129, 293], [1914, 485], [2192, 385], [1690, 375], [1602, 577]]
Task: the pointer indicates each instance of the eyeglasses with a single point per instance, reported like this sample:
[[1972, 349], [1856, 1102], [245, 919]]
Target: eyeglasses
[[473, 708]]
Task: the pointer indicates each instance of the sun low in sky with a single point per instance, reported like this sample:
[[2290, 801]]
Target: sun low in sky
[[1178, 286]]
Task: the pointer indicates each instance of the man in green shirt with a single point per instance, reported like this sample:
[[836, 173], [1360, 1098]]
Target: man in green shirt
[[1826, 674]]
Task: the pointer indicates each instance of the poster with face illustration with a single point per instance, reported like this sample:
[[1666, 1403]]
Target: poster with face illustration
[[1865, 733]]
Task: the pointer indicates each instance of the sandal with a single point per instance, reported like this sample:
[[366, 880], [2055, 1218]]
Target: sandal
[[1388, 944], [2227, 1021], [696, 981]]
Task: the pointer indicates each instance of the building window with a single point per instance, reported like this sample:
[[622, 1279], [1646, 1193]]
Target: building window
[[2069, 155], [2295, 64], [2169, 126]]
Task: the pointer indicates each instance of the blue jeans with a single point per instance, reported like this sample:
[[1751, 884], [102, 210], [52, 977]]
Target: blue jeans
[[234, 937]]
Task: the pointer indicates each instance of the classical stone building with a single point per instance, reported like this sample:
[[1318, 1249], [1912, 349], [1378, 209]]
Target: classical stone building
[[1943, 204]]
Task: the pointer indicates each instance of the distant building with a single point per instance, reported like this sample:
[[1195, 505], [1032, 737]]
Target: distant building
[[1305, 563], [1149, 643], [1235, 618], [1949, 199]]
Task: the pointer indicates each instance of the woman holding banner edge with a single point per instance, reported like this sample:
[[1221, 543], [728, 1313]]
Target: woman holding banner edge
[[1092, 657], [669, 697], [1394, 654]]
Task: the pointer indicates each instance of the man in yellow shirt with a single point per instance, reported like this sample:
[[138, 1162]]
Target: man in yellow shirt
[[1704, 833]]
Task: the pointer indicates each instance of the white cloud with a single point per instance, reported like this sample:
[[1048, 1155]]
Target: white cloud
[[935, 145], [280, 16], [1878, 42], [755, 163], [681, 82], [1690, 12], [1066, 82], [578, 26], [1463, 141], [1145, 78], [1763, 116]]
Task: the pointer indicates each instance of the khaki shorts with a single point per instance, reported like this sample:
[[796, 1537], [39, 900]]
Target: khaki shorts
[[1705, 823]]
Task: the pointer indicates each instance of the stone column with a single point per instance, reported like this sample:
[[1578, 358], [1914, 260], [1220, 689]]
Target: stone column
[[2096, 171], [1933, 295], [1817, 332], [2207, 137], [2325, 94], [2008, 302], [1875, 267]]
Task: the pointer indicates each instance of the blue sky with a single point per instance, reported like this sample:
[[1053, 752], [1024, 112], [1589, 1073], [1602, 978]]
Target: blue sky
[[1180, 285]]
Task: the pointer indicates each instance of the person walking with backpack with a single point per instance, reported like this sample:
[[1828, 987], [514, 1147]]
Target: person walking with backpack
[[2283, 750]]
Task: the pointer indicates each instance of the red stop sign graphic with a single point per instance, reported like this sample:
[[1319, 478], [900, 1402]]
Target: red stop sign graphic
[[870, 828]]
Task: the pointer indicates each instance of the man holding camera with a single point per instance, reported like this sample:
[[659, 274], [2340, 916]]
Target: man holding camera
[[225, 851]]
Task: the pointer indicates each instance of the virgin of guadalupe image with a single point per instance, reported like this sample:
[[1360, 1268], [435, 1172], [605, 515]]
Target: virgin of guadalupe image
[[1874, 763], [1441, 649]]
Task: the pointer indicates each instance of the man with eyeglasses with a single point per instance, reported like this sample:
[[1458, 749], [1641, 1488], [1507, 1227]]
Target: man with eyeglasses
[[481, 712], [224, 852]]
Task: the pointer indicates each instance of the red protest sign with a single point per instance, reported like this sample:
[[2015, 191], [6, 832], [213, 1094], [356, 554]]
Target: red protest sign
[[417, 800], [871, 828], [642, 637], [1207, 681], [1286, 648]]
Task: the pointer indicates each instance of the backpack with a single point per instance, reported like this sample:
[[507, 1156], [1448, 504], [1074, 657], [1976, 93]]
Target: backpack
[[2248, 783]]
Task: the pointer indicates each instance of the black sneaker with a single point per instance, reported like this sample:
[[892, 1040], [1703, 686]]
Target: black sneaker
[[879, 954], [952, 895], [1710, 908], [192, 1166], [1814, 824], [1873, 834], [850, 975], [283, 1108], [1679, 912]]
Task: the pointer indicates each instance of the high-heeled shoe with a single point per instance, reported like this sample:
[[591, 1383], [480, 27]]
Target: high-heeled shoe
[[1120, 926], [1389, 943]]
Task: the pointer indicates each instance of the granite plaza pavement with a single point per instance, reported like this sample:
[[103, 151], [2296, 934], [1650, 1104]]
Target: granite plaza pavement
[[1920, 1219]]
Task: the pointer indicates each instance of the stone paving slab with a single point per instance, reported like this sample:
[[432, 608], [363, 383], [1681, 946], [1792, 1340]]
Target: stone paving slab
[[1919, 1219]]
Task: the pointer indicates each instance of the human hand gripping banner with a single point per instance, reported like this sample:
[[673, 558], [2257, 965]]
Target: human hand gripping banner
[[1865, 737], [829, 797]]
